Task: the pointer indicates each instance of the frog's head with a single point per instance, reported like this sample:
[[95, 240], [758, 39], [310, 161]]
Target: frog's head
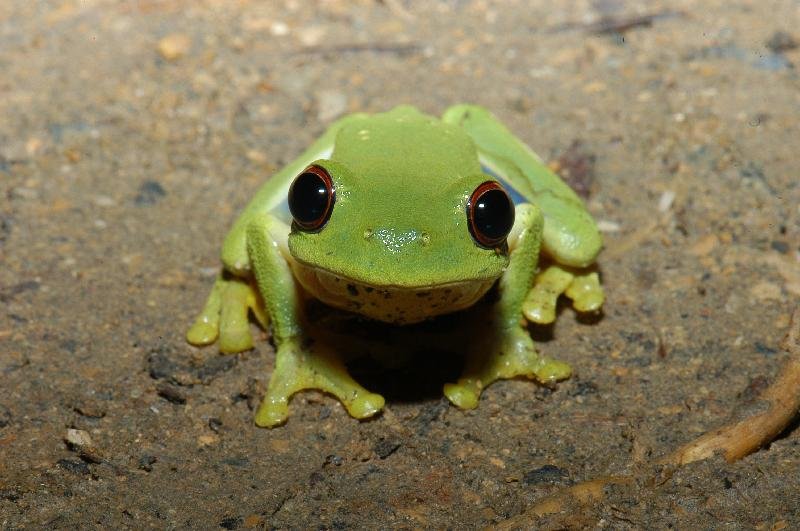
[[400, 224], [365, 229]]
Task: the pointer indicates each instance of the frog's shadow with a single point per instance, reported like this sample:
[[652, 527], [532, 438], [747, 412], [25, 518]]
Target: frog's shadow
[[403, 363], [410, 363]]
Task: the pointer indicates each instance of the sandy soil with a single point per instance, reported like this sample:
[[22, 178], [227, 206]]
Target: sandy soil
[[131, 134]]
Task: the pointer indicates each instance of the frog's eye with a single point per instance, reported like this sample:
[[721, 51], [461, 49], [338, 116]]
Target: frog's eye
[[311, 198], [490, 213]]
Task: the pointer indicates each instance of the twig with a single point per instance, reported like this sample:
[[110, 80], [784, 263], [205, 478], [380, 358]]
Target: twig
[[734, 441], [580, 494], [608, 25], [360, 47], [745, 437], [620, 25]]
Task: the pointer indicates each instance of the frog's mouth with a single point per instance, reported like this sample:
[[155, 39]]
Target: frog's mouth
[[387, 303]]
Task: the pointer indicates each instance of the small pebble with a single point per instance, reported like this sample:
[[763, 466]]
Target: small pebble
[[781, 42], [5, 416], [171, 394], [149, 192], [174, 46], [781, 247], [231, 522], [545, 474], [279, 29], [146, 462], [605, 225], [11, 494], [90, 409], [384, 448], [74, 466], [215, 424], [334, 460], [704, 245], [104, 201], [207, 440], [78, 439], [666, 200]]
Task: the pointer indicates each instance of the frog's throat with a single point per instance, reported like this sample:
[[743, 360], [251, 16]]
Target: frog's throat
[[390, 304]]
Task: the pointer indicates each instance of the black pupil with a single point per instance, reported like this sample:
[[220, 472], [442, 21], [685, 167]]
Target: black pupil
[[493, 215], [308, 198]]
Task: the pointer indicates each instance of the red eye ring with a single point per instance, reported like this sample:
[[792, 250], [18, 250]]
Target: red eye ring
[[311, 198], [490, 214]]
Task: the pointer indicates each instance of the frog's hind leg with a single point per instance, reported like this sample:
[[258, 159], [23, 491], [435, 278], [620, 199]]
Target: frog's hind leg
[[582, 286], [300, 363], [569, 237], [225, 316]]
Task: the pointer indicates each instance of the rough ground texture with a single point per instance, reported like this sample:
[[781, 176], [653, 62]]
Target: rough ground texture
[[132, 132]]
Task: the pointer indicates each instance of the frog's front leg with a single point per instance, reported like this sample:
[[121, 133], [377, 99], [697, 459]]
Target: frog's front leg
[[300, 363], [505, 349]]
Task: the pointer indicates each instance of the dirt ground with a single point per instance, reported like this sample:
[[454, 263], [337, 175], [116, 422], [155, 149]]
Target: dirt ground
[[132, 132]]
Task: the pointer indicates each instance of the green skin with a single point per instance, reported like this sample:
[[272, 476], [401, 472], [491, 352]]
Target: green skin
[[384, 168]]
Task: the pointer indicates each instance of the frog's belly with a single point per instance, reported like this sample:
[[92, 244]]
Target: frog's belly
[[389, 304]]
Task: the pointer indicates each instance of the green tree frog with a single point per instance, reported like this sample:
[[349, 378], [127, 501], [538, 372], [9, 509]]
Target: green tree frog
[[401, 217]]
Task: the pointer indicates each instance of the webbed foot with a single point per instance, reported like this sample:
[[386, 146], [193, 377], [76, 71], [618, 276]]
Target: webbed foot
[[515, 356], [225, 316], [298, 368], [583, 287]]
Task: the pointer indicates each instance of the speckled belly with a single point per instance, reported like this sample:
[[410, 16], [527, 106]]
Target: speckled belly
[[389, 304]]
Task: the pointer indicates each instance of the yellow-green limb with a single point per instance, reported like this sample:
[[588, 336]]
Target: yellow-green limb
[[299, 363], [582, 286], [225, 316]]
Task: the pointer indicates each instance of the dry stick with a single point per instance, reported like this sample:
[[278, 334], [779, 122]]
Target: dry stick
[[744, 437], [734, 440]]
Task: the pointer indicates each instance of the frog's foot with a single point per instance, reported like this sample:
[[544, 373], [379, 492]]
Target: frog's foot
[[297, 368], [225, 316], [516, 356], [583, 287]]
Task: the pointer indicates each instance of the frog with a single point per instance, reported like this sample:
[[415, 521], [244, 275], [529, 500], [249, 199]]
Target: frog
[[400, 217]]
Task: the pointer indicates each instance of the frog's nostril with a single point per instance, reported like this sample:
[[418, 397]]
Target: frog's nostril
[[367, 234]]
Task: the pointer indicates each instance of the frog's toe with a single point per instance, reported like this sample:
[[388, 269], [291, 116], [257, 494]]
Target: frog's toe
[[234, 327], [540, 307], [233, 340], [225, 316], [586, 292], [203, 331], [551, 371], [272, 412], [464, 394], [515, 356], [540, 304], [299, 367], [365, 405]]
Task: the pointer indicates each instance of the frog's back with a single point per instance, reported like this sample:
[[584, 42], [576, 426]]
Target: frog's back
[[405, 145]]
